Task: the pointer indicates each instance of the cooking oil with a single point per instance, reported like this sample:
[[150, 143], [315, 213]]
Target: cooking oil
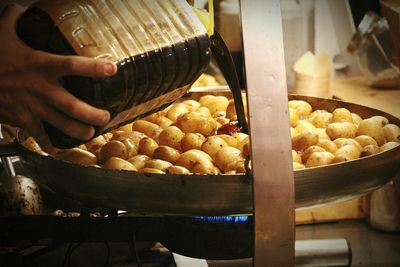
[[160, 47]]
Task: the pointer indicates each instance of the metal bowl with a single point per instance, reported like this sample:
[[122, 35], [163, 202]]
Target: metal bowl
[[212, 194]]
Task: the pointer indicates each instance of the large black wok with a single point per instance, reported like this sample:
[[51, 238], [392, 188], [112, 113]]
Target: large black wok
[[208, 194]]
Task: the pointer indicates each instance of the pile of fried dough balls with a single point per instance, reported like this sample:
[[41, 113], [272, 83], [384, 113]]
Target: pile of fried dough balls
[[183, 139], [320, 138]]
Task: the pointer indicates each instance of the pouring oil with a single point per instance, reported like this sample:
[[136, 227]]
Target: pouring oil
[[160, 47]]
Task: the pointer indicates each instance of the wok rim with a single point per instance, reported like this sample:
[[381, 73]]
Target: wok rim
[[381, 160]]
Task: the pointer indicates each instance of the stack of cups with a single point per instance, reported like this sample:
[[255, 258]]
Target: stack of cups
[[312, 75]]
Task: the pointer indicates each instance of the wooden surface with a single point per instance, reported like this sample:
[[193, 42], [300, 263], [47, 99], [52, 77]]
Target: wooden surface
[[357, 208], [356, 90]]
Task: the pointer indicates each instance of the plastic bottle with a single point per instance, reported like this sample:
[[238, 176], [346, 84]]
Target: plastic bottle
[[160, 47]]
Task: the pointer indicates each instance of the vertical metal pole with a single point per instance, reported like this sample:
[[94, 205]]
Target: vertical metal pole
[[273, 185]]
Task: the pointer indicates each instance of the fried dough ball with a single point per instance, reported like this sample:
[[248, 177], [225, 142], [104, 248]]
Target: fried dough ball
[[192, 141], [214, 103], [213, 144], [296, 156], [307, 153], [131, 149], [156, 116], [365, 140], [113, 148], [342, 158], [231, 111], [328, 145], [244, 146], [321, 119], [96, 143], [127, 127], [115, 163], [192, 104], [372, 127], [341, 115], [147, 146], [177, 110], [166, 153], [349, 150], [178, 170], [321, 132], [341, 129], [150, 129], [391, 132], [204, 110], [340, 142], [389, 145], [294, 116], [171, 136], [139, 161], [229, 139], [356, 118], [78, 156], [193, 122], [228, 159], [133, 136], [301, 106], [157, 164], [163, 122], [369, 150], [317, 159], [304, 126], [196, 162], [303, 140]]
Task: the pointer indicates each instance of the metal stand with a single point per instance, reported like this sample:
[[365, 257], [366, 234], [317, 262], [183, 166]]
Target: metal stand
[[273, 184]]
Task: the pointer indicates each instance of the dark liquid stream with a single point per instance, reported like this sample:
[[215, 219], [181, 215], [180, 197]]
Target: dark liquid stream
[[225, 63]]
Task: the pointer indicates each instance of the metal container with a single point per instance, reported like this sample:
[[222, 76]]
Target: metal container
[[226, 194]]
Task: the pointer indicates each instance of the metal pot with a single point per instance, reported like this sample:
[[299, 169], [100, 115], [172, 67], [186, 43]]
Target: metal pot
[[225, 194]]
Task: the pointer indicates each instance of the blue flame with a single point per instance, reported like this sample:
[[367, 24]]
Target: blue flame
[[224, 219]]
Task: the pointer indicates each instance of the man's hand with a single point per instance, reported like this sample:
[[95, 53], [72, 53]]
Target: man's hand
[[30, 92]]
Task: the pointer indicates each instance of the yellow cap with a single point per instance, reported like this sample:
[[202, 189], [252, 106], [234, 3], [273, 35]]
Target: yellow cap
[[207, 19]]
